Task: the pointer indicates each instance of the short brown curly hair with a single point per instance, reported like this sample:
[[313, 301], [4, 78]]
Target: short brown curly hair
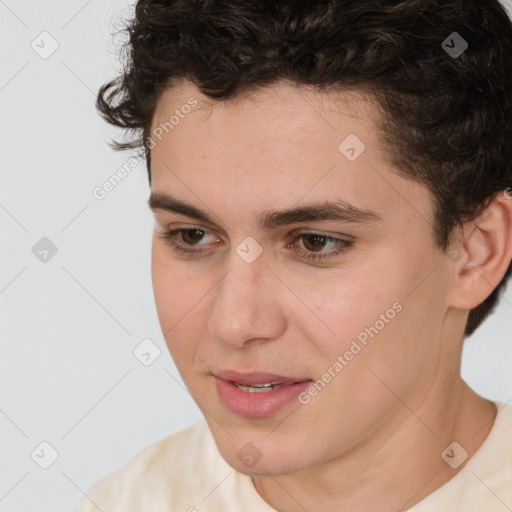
[[447, 118]]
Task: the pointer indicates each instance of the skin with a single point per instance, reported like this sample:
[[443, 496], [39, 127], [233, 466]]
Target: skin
[[372, 438]]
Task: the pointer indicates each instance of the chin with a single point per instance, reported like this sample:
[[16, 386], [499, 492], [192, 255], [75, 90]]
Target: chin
[[269, 467], [254, 460]]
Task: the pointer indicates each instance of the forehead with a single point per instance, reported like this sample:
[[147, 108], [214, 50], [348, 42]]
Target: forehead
[[282, 98], [284, 144]]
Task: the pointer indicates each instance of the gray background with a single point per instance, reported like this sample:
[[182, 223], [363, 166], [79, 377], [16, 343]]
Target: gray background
[[69, 325]]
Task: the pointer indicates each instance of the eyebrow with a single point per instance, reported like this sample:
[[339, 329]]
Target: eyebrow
[[328, 210]]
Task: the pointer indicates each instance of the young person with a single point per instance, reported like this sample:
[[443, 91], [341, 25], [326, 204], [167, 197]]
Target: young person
[[330, 185]]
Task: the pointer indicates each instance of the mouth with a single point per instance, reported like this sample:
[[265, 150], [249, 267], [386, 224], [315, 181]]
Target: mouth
[[258, 395], [255, 381]]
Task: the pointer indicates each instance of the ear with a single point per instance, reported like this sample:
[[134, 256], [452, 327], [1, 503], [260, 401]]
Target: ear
[[484, 254]]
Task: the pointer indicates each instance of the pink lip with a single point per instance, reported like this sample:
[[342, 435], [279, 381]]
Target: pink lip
[[257, 405]]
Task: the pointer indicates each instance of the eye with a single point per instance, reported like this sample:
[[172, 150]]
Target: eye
[[312, 244], [191, 237]]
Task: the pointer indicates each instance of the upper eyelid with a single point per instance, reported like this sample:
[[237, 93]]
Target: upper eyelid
[[187, 227], [304, 231]]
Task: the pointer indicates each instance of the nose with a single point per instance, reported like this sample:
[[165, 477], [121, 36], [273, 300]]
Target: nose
[[248, 305]]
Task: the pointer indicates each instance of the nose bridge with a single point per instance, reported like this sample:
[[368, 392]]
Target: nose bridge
[[245, 306]]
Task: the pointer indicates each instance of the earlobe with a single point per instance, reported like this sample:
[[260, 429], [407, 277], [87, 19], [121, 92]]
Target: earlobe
[[488, 248]]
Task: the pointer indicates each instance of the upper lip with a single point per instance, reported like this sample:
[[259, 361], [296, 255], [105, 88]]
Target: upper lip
[[256, 377]]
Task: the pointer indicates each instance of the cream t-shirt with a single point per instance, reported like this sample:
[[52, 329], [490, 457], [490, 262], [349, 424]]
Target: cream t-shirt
[[185, 472]]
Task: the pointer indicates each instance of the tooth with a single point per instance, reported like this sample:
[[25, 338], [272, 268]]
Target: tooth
[[266, 384], [261, 387], [256, 388]]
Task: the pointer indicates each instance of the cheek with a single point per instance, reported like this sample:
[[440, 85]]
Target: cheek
[[367, 317], [178, 298], [390, 343], [343, 306]]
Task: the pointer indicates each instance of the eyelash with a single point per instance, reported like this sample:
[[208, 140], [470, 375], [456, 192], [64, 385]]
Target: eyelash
[[169, 236]]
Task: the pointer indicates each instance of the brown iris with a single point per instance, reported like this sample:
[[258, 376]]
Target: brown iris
[[192, 236], [314, 242]]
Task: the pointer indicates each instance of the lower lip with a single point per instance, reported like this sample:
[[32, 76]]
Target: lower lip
[[258, 405]]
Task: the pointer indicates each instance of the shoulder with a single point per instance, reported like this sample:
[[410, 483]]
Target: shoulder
[[488, 474], [162, 473], [485, 482]]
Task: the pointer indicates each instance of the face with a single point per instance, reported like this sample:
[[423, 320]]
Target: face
[[257, 281]]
